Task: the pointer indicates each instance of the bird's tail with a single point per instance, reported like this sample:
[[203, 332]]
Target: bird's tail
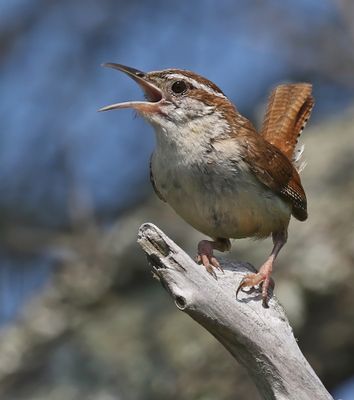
[[289, 108]]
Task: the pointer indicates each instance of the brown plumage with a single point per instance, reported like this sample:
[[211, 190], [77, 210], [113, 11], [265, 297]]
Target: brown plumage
[[268, 162], [289, 108], [274, 170], [215, 170]]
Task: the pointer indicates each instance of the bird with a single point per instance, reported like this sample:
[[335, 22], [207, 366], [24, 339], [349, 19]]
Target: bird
[[221, 175]]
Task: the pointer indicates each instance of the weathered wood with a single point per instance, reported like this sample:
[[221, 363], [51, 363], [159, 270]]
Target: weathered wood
[[260, 338]]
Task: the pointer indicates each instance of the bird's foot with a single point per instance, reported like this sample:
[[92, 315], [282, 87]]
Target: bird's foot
[[206, 257], [261, 279]]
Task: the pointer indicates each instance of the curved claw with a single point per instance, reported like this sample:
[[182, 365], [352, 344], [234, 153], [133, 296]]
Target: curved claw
[[210, 263], [241, 287], [206, 257], [211, 271], [265, 282]]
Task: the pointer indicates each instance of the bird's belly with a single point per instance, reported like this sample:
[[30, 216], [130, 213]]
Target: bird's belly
[[234, 207]]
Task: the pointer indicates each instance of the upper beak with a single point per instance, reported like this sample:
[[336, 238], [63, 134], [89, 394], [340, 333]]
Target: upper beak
[[153, 94]]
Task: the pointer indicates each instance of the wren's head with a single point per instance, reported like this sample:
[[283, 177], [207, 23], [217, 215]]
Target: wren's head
[[175, 98]]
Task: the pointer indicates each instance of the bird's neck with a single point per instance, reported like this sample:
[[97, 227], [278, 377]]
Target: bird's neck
[[191, 136]]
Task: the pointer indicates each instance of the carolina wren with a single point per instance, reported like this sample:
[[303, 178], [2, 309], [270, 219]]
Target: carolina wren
[[215, 170]]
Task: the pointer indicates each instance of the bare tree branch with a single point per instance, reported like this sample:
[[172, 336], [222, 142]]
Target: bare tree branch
[[260, 339]]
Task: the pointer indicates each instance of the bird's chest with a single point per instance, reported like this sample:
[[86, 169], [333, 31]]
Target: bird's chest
[[216, 198]]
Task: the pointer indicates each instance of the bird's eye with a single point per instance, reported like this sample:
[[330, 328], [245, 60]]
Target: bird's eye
[[179, 87]]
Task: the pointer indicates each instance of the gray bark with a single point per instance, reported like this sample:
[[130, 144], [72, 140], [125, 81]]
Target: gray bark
[[261, 339]]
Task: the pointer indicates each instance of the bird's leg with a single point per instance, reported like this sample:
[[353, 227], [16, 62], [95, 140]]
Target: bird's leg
[[205, 253], [263, 276]]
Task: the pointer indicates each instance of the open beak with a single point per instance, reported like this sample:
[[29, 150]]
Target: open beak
[[153, 94]]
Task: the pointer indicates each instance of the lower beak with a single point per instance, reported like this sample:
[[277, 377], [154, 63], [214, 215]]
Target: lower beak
[[153, 94]]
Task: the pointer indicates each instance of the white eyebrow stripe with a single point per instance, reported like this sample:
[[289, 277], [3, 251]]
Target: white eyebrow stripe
[[196, 84]]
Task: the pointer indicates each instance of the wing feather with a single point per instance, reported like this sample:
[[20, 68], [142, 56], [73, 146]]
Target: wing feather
[[274, 170]]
